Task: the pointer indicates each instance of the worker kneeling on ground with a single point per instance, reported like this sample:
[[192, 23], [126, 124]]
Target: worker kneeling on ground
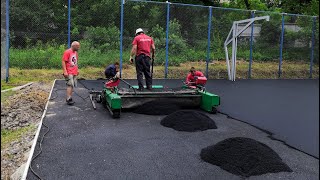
[[113, 82], [193, 76], [112, 74], [111, 70]]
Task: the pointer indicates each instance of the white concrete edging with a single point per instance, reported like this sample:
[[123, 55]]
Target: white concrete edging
[[17, 88], [25, 173]]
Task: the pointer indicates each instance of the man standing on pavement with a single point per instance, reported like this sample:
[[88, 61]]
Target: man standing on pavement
[[70, 69], [143, 49]]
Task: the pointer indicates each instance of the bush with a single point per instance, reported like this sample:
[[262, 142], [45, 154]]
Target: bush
[[176, 42]]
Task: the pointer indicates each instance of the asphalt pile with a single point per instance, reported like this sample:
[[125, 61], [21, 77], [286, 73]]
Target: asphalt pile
[[160, 107], [188, 120], [244, 157]]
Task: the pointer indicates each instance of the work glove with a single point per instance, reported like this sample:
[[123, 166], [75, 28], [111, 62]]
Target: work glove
[[116, 77], [131, 59]]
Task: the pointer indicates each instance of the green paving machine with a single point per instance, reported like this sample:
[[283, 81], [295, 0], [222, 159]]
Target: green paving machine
[[191, 95]]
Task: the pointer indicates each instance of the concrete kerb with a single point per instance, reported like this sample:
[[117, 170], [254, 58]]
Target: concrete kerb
[[17, 88], [25, 173]]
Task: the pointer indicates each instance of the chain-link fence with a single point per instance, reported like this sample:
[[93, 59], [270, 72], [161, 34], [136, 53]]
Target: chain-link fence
[[296, 44], [185, 35], [266, 46], [315, 42], [97, 28], [38, 33], [151, 17]]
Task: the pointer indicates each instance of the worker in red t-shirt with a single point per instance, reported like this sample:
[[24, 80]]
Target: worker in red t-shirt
[[70, 69], [191, 78], [143, 49]]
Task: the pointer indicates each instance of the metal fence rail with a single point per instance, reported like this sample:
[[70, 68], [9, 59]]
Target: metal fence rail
[[183, 33]]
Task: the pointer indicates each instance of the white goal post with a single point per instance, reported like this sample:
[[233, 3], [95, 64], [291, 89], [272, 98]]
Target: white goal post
[[234, 39]]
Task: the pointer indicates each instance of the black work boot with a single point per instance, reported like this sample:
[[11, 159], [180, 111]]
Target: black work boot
[[70, 101], [149, 88], [140, 88]]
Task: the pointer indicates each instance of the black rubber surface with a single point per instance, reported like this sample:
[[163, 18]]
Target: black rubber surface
[[88, 144], [244, 157], [159, 107], [188, 120], [289, 109]]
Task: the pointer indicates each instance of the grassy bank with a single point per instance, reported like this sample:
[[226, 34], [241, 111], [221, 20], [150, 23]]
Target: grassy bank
[[8, 136], [217, 70], [5, 95]]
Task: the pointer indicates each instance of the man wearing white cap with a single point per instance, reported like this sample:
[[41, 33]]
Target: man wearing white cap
[[143, 49]]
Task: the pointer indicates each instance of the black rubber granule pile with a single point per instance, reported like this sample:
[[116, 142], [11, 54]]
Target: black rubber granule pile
[[188, 120], [245, 157], [160, 107]]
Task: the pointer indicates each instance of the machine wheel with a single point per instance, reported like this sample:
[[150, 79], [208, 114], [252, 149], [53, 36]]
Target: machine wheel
[[116, 114], [103, 99], [214, 110]]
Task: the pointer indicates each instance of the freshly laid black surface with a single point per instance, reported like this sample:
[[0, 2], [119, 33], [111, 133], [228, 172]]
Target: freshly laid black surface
[[89, 144], [289, 109]]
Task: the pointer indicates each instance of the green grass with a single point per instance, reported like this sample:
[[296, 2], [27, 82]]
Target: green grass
[[8, 136], [5, 95], [5, 85], [49, 56], [18, 77]]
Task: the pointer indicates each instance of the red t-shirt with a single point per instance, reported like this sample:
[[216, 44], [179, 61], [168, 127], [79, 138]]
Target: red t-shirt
[[71, 59], [190, 77], [143, 43]]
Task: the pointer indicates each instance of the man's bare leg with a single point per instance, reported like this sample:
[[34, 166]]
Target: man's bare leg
[[69, 92]]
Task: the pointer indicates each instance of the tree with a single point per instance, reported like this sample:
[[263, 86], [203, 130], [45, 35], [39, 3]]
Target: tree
[[199, 2], [249, 4], [93, 13], [294, 6], [32, 16], [312, 8], [32, 21]]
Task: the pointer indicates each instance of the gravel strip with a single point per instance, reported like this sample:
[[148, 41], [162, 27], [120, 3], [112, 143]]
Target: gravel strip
[[22, 109]]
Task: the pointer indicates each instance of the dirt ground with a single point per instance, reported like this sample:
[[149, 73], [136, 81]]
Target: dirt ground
[[23, 109]]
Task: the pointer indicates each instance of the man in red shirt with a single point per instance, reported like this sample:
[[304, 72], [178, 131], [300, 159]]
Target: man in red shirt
[[191, 78], [70, 69], [143, 49]]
